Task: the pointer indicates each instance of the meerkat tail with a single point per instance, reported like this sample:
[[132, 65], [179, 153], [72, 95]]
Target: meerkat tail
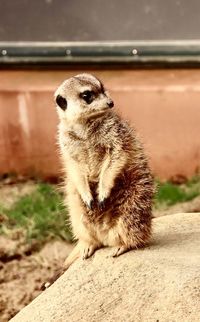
[[55, 276], [75, 254], [69, 260]]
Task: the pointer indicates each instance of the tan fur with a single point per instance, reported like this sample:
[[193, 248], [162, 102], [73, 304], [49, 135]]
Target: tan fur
[[106, 171]]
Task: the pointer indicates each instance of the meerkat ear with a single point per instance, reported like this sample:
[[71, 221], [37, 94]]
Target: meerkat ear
[[61, 102]]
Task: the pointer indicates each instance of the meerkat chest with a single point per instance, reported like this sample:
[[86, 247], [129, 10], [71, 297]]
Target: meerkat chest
[[89, 153], [96, 153], [74, 148], [95, 157]]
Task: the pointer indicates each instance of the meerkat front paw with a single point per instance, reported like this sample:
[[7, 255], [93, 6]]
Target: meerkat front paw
[[104, 193], [88, 201], [102, 204], [90, 204]]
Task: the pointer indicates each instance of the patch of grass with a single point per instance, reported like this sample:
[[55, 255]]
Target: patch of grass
[[169, 194], [41, 214]]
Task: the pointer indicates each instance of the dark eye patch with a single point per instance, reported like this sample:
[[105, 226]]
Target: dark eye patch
[[88, 96], [61, 102]]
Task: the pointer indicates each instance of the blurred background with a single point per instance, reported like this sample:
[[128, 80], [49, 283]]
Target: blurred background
[[148, 55]]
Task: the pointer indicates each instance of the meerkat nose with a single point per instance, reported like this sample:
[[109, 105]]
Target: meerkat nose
[[110, 103]]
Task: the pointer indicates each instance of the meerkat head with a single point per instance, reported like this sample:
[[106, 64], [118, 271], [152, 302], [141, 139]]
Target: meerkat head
[[82, 95]]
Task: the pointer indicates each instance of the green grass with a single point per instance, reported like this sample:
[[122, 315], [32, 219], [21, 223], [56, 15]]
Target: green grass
[[41, 214], [169, 194]]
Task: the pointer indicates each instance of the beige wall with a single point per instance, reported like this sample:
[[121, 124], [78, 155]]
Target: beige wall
[[163, 105]]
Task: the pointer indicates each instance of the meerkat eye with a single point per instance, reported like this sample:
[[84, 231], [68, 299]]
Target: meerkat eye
[[61, 102], [88, 96]]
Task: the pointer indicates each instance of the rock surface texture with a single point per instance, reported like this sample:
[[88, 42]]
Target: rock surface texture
[[158, 283]]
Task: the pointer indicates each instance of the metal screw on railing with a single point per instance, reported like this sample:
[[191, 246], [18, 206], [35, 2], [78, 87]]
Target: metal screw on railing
[[4, 52], [134, 51], [68, 52]]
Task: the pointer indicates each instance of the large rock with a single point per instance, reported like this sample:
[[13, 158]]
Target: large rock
[[158, 283]]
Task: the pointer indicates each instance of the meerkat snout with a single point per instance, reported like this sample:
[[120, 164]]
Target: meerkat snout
[[110, 103]]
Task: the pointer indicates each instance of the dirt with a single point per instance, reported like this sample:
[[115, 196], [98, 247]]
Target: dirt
[[189, 206], [11, 192], [21, 275]]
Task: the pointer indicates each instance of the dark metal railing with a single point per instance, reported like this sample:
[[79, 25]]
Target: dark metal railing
[[69, 53]]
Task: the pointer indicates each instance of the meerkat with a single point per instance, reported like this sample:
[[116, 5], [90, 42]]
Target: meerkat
[[109, 185]]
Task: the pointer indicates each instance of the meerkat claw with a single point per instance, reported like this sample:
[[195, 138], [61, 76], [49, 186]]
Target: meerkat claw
[[85, 254], [90, 204], [102, 204], [120, 250]]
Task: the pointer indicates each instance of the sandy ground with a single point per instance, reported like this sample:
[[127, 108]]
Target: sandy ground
[[21, 275], [23, 269], [189, 206], [11, 192]]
